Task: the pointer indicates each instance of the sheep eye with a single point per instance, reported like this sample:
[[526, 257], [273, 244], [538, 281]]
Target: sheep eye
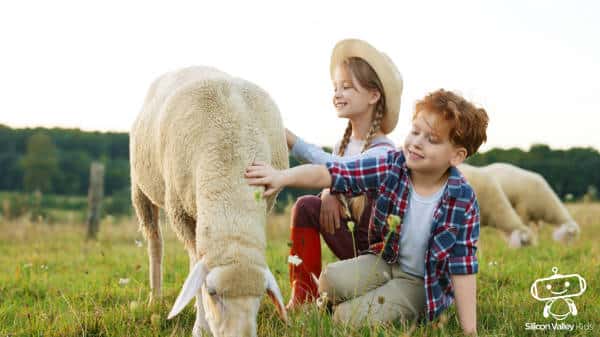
[[212, 291]]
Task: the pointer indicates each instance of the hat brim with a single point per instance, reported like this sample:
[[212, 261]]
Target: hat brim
[[388, 74]]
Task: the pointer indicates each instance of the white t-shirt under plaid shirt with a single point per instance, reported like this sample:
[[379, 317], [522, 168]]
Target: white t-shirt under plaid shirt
[[416, 230]]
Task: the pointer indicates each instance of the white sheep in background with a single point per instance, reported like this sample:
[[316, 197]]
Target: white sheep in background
[[495, 208], [198, 130], [534, 200]]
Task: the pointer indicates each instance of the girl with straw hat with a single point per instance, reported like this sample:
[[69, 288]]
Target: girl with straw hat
[[367, 89]]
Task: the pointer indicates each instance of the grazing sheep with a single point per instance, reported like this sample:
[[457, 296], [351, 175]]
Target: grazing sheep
[[534, 200], [198, 130], [495, 208]]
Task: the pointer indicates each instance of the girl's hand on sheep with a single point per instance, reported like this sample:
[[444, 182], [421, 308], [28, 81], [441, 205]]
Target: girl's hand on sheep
[[331, 212], [302, 176], [263, 174]]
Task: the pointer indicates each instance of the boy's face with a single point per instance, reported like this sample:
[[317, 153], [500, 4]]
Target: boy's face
[[427, 146], [350, 99]]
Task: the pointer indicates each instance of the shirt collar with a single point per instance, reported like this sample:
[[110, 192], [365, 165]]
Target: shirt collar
[[455, 181]]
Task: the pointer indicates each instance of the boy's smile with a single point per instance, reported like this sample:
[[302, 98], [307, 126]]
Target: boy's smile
[[414, 155]]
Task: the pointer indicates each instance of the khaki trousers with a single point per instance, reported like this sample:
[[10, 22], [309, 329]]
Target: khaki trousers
[[367, 290]]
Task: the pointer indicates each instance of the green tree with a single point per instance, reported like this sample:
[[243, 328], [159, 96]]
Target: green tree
[[74, 167], [39, 163]]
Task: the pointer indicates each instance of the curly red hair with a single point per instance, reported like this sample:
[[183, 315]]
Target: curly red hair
[[467, 123]]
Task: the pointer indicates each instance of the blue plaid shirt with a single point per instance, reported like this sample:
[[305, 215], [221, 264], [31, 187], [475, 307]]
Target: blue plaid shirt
[[455, 224]]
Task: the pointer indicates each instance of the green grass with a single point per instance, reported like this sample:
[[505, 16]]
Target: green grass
[[54, 283]]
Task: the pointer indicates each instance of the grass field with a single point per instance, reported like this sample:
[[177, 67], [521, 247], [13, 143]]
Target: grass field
[[54, 283]]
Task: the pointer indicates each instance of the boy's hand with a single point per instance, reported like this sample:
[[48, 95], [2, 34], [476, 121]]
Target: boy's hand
[[262, 174]]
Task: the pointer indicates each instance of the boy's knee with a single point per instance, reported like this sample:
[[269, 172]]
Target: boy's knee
[[331, 281], [326, 282]]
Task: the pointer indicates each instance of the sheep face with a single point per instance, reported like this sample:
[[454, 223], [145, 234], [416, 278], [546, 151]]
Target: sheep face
[[228, 298], [522, 237], [567, 232], [228, 317]]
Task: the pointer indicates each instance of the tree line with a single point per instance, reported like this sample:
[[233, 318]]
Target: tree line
[[57, 161]]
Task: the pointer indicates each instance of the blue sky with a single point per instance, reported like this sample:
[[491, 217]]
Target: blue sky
[[533, 65]]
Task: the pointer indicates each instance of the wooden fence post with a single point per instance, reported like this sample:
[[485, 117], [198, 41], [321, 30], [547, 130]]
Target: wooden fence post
[[95, 195]]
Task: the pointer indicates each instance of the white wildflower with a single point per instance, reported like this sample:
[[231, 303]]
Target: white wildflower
[[295, 260], [138, 243], [27, 265], [123, 281]]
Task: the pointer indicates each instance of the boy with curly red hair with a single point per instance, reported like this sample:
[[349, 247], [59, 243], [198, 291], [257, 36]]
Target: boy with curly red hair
[[428, 256]]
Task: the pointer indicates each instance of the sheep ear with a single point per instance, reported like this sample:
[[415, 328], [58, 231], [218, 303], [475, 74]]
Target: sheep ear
[[275, 294], [190, 288]]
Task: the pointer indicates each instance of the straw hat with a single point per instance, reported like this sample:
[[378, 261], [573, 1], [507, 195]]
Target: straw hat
[[386, 71]]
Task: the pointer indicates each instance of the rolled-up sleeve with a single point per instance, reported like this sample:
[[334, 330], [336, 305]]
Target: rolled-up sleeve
[[310, 153], [360, 176], [462, 259]]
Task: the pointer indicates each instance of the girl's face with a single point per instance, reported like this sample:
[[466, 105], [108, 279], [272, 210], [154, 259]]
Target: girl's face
[[427, 147], [350, 99]]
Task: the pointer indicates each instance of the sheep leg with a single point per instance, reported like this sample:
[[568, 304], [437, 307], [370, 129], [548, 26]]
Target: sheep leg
[[508, 221], [508, 226], [147, 214], [182, 224], [155, 252], [521, 210]]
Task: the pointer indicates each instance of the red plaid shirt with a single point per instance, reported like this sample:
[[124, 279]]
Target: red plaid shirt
[[455, 224]]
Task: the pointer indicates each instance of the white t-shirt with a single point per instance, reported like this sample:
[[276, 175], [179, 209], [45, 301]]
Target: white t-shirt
[[416, 229]]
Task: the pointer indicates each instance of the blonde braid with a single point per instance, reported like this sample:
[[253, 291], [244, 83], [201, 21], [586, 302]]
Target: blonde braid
[[345, 139], [341, 150], [374, 128]]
